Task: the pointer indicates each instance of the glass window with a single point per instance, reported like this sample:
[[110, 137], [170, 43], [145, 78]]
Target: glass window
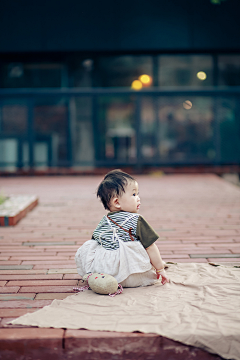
[[13, 132], [185, 70], [229, 70], [116, 129], [33, 75], [177, 129], [82, 130], [81, 71], [229, 129], [121, 71], [51, 132]]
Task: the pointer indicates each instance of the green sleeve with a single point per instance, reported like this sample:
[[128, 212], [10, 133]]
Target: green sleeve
[[145, 233]]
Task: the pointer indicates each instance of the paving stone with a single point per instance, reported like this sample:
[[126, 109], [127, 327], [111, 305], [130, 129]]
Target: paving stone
[[204, 214], [113, 345], [31, 343], [219, 260], [23, 272], [15, 312], [16, 267], [71, 277], [42, 283], [52, 296], [214, 256], [24, 304], [9, 289], [47, 289], [7, 297], [62, 271], [46, 267], [49, 262], [30, 277], [4, 323], [36, 258], [50, 243]]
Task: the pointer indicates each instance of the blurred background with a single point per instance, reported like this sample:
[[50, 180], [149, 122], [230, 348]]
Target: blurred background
[[86, 85]]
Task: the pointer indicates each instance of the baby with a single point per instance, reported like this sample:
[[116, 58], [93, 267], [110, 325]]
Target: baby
[[123, 243]]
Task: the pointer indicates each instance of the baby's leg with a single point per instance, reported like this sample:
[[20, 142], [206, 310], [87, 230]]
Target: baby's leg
[[140, 279]]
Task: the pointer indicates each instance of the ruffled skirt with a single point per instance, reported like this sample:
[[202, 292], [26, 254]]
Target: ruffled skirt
[[129, 264]]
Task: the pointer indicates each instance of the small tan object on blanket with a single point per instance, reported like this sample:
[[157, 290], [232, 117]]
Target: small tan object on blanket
[[200, 307]]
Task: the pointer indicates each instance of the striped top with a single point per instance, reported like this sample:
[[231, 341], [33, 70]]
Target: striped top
[[141, 230]]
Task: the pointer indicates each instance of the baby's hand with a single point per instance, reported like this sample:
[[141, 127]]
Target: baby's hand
[[164, 276]]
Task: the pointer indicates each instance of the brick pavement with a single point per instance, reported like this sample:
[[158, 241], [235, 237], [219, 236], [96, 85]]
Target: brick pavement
[[196, 216]]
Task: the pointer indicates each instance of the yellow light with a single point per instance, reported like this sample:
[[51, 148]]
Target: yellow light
[[187, 104], [136, 85], [201, 75], [145, 79]]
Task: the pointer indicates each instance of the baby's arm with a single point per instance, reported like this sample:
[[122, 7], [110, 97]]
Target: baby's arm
[[156, 261]]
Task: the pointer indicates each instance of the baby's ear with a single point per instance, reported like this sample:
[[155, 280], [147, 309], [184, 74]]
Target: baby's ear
[[115, 202]]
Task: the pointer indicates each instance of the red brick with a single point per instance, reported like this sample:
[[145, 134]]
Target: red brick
[[221, 260], [37, 258], [24, 303], [52, 296], [2, 283], [22, 272], [31, 277], [202, 260], [9, 289], [11, 297], [15, 312], [42, 283], [49, 262], [46, 289], [10, 262], [4, 323], [71, 276], [48, 267], [31, 343]]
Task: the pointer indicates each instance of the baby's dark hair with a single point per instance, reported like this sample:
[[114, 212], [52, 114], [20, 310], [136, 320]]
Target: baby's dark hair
[[114, 183]]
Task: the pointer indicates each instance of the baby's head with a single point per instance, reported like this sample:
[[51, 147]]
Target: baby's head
[[119, 191]]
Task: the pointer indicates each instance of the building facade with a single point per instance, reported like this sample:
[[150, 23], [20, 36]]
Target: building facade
[[131, 84]]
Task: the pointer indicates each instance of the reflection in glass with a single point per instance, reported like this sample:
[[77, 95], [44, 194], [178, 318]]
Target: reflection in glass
[[229, 70], [51, 129], [117, 130], [33, 75], [186, 134], [118, 71], [183, 70], [13, 132], [82, 130], [172, 133], [229, 128]]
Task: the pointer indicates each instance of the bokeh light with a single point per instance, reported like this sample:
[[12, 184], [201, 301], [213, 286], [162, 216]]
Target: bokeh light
[[145, 79], [201, 75], [136, 85], [187, 104]]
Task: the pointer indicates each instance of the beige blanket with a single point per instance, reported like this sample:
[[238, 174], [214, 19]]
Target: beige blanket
[[200, 307]]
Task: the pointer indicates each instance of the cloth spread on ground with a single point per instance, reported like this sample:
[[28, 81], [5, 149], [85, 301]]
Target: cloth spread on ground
[[200, 307]]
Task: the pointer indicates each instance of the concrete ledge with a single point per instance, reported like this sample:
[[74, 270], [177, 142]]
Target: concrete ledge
[[48, 344], [15, 208]]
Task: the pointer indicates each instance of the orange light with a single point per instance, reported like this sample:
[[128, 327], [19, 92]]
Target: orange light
[[145, 79], [136, 85]]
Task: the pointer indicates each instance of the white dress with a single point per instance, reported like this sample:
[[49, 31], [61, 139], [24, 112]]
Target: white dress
[[112, 252]]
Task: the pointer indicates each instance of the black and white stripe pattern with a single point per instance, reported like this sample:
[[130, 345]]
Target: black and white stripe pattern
[[104, 232]]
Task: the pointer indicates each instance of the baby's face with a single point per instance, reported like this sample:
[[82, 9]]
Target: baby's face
[[130, 200]]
